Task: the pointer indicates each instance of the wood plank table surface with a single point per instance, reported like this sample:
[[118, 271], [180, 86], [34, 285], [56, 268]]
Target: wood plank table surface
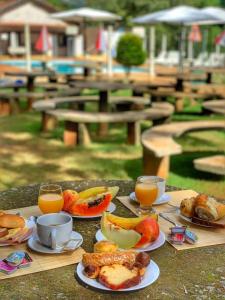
[[190, 274]]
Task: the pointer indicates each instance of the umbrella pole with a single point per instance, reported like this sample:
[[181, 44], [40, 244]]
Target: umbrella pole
[[164, 43], [190, 52], [152, 51], [109, 51], [182, 37], [27, 46]]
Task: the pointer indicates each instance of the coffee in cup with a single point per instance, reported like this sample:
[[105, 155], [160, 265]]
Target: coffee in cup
[[54, 229]]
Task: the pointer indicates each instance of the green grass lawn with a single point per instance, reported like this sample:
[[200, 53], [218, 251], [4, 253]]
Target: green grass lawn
[[27, 156]]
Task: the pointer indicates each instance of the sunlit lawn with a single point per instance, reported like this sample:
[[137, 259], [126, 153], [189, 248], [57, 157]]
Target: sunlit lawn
[[27, 156]]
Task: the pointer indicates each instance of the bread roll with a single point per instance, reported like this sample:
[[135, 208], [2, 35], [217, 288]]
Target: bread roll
[[105, 246], [207, 208], [107, 258], [11, 221], [187, 207]]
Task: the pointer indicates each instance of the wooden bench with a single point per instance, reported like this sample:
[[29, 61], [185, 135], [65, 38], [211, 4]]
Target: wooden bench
[[162, 95], [158, 143], [212, 164], [75, 131], [78, 103], [214, 106]]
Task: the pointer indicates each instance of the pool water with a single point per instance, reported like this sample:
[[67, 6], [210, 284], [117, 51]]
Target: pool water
[[65, 66]]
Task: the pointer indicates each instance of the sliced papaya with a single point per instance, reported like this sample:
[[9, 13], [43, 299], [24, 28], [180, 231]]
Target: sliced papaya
[[93, 206]]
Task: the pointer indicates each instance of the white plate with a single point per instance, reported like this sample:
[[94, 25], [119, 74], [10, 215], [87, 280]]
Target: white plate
[[150, 247], [29, 224], [189, 220], [151, 275], [164, 199], [111, 208], [35, 245]]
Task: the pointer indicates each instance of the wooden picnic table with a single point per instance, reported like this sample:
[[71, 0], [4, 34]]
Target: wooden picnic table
[[105, 87], [30, 79], [209, 72], [190, 274]]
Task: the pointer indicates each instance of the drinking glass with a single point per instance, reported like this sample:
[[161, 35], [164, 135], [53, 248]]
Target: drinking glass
[[50, 198], [146, 191]]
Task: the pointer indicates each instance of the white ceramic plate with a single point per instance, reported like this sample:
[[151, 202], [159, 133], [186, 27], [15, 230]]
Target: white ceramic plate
[[35, 245], [29, 224], [111, 208], [186, 219], [151, 275], [164, 199], [150, 247]]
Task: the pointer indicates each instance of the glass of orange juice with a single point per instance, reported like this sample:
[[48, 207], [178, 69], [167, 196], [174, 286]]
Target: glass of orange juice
[[146, 191], [50, 198]]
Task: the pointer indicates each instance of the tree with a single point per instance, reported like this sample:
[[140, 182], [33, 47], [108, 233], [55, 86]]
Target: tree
[[130, 51]]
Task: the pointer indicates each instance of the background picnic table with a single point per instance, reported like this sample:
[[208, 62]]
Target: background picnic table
[[191, 274]]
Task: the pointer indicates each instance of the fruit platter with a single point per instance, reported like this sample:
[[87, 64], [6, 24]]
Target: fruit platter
[[89, 203], [140, 233]]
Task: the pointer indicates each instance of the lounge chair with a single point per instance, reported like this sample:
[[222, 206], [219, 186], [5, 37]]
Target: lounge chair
[[200, 60], [161, 59], [215, 60]]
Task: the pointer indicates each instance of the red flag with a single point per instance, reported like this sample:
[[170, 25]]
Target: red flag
[[195, 34], [43, 43]]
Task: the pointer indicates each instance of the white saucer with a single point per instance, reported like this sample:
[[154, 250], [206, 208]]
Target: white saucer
[[164, 199], [150, 276], [35, 245], [150, 247], [111, 208]]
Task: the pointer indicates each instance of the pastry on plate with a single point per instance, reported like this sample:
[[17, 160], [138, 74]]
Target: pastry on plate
[[207, 208], [11, 221], [187, 207], [105, 246]]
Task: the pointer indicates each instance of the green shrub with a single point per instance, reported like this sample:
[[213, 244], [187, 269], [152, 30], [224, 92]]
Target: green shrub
[[130, 51]]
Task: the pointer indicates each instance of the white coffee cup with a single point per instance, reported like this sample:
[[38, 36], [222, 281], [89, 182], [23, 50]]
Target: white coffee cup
[[54, 229]]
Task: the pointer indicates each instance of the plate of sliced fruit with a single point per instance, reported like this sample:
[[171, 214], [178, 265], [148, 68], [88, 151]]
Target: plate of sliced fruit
[[90, 203], [117, 270], [139, 233]]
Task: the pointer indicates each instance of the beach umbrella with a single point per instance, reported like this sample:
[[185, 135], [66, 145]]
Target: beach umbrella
[[180, 15], [220, 39], [86, 14], [195, 36], [43, 43]]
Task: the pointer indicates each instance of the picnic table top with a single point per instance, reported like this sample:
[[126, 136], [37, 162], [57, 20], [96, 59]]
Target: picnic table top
[[103, 85], [189, 274], [30, 73]]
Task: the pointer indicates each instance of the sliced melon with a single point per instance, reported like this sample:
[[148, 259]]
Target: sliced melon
[[125, 239]]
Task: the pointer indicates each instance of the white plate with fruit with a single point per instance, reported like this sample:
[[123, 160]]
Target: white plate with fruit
[[139, 233], [90, 203], [110, 269]]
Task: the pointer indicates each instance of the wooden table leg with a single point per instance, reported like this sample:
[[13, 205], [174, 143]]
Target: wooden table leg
[[5, 107], [103, 107], [30, 88], [48, 122], [71, 134], [157, 166], [133, 133], [209, 77]]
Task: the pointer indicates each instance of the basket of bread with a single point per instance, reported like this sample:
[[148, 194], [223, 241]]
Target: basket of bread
[[109, 268], [14, 229], [203, 210]]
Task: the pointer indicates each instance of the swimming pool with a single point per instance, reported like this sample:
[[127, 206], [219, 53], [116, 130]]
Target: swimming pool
[[64, 66]]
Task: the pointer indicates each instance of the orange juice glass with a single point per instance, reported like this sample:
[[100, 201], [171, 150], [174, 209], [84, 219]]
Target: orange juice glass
[[50, 198], [146, 191]]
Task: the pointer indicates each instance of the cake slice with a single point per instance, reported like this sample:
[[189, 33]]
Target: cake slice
[[118, 277]]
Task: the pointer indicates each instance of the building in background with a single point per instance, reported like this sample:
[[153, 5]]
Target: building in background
[[15, 14]]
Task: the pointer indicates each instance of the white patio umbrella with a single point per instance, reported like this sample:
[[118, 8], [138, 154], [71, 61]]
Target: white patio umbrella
[[85, 14], [180, 15]]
